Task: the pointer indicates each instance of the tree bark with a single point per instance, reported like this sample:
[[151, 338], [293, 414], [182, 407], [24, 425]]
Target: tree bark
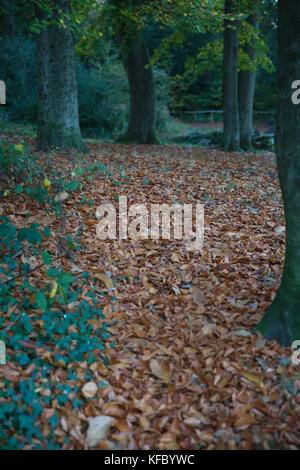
[[135, 56], [246, 85], [142, 117], [282, 319], [231, 128], [58, 120]]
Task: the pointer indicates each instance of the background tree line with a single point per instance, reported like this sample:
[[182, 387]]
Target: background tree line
[[114, 44]]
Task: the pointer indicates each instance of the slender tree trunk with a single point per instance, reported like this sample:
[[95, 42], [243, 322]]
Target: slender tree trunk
[[58, 121], [230, 80], [282, 319], [9, 28], [135, 56], [246, 92]]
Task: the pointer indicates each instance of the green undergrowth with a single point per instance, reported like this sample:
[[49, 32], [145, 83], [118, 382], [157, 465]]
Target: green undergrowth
[[50, 318]]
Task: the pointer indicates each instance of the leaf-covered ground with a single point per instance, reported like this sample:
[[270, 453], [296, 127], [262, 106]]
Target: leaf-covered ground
[[180, 366]]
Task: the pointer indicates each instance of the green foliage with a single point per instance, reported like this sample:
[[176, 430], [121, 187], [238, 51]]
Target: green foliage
[[162, 89], [64, 331], [18, 69], [103, 98], [103, 93], [17, 165]]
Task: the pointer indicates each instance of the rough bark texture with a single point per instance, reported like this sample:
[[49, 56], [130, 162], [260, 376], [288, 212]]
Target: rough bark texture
[[135, 56], [282, 319], [230, 81], [246, 93], [58, 121]]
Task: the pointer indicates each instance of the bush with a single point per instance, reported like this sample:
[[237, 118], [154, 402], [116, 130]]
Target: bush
[[17, 165], [103, 99], [162, 90], [103, 92], [18, 69]]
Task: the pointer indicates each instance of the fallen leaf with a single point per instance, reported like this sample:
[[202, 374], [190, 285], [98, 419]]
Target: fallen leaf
[[106, 280], [46, 219], [198, 297], [98, 429], [160, 370], [89, 390], [60, 197], [280, 229]]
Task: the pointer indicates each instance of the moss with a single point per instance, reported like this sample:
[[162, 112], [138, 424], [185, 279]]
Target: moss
[[58, 136], [282, 319]]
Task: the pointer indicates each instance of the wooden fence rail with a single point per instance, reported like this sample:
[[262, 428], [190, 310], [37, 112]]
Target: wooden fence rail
[[212, 113]]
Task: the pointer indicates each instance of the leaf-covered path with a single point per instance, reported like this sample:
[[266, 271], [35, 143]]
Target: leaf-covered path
[[184, 369]]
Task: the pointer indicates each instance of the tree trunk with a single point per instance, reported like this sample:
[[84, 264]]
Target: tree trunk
[[282, 319], [231, 127], [135, 56], [142, 117], [8, 21], [246, 92], [58, 120]]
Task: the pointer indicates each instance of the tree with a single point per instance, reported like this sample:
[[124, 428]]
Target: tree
[[246, 80], [134, 53], [130, 18], [282, 319], [58, 121], [230, 79]]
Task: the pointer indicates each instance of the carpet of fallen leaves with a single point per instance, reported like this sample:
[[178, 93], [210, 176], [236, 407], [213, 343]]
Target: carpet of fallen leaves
[[187, 371]]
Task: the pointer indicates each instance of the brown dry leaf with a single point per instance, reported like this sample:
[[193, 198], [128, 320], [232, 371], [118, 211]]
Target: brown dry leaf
[[46, 219], [106, 280], [89, 389], [280, 229], [198, 296], [168, 442], [160, 370], [244, 420], [9, 373], [60, 197], [122, 425], [140, 332], [253, 378], [207, 330], [98, 429], [47, 413], [114, 410]]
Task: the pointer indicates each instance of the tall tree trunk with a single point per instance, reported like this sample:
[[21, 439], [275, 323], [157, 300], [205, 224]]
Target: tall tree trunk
[[246, 91], [9, 28], [282, 319], [135, 56], [142, 117], [231, 126], [58, 120]]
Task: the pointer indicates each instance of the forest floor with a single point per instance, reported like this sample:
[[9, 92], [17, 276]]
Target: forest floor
[[180, 366]]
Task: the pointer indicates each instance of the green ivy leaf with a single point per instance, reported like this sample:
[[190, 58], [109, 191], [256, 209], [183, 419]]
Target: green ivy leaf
[[53, 272], [19, 189], [23, 359], [46, 258], [41, 300], [30, 234], [47, 232], [65, 278]]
